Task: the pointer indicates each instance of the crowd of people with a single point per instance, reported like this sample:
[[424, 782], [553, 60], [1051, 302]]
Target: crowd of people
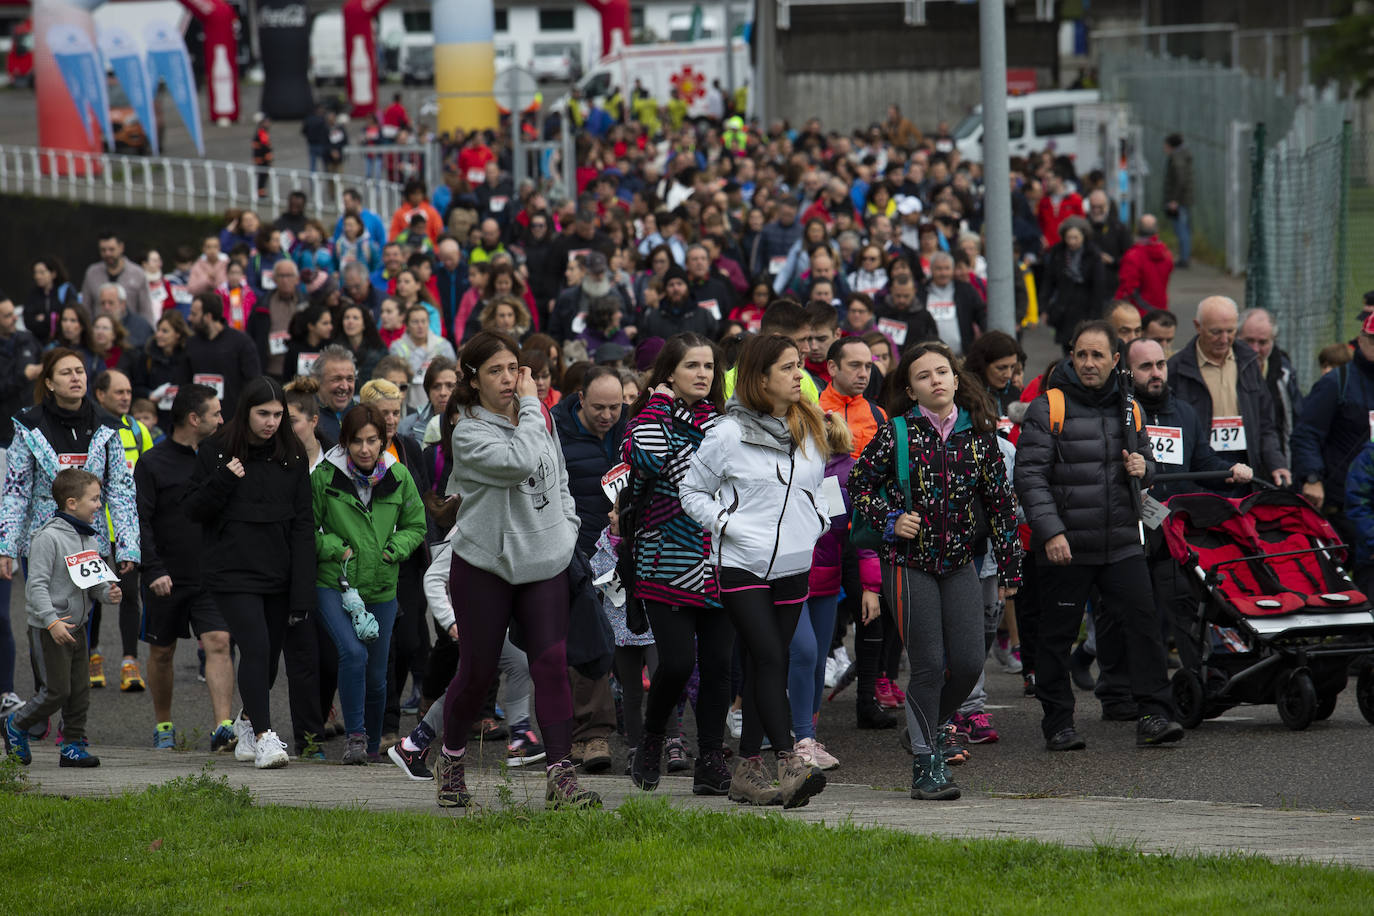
[[665, 443]]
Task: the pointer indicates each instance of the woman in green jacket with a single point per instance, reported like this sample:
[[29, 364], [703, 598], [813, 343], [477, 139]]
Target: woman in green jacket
[[368, 518]]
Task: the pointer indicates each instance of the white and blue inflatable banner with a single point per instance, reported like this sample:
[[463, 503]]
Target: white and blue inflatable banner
[[84, 77], [169, 62], [122, 56]]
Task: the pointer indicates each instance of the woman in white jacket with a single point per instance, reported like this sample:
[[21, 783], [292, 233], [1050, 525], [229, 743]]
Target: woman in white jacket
[[755, 485]]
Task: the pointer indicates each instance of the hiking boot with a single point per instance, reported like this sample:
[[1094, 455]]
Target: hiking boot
[[562, 790], [130, 678], [798, 780], [679, 759], [646, 767], [17, 742], [1152, 730], [97, 669], [596, 757], [355, 752], [928, 782], [245, 749], [165, 737], [450, 791], [814, 753], [412, 763], [873, 716], [74, 754], [751, 786], [711, 776], [1066, 739]]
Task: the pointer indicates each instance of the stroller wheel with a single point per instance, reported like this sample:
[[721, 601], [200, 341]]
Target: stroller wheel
[[1296, 699], [1364, 691], [1188, 700], [1326, 705]]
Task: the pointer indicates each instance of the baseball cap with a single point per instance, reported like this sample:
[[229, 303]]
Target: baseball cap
[[907, 205]]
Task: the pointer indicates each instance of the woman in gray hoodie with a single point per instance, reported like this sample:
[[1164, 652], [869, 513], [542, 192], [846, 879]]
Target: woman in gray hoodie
[[516, 530]]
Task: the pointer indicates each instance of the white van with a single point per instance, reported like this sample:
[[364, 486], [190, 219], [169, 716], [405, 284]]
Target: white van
[[327, 64], [655, 66], [1036, 121]]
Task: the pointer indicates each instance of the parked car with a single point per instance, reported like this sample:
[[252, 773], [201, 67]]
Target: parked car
[[556, 61]]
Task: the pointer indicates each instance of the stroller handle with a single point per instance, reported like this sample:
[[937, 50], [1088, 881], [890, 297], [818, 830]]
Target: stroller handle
[[1179, 476]]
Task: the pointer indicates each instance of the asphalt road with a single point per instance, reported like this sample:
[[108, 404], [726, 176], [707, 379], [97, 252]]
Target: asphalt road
[[1247, 756]]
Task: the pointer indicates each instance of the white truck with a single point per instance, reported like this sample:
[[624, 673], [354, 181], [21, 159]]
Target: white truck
[[663, 68]]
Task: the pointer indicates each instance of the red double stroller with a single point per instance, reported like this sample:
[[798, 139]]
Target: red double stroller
[[1278, 620]]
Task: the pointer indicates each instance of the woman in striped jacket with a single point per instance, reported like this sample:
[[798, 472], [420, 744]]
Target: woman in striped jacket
[[682, 399]]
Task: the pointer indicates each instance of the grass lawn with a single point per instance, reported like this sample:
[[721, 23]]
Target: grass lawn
[[197, 845]]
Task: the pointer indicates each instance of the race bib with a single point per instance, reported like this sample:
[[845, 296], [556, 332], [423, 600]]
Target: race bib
[[711, 306], [164, 396], [498, 204], [71, 460], [267, 281], [1004, 425], [1167, 443], [894, 329], [941, 311], [277, 342], [615, 480], [1228, 434], [775, 265], [88, 568], [1152, 511], [579, 323], [213, 381], [572, 255], [477, 176], [305, 362], [181, 295], [419, 379]]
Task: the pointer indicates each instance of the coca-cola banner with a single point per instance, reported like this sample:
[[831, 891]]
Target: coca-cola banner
[[284, 40]]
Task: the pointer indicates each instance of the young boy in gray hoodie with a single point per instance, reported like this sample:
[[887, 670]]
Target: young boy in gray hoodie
[[65, 572]]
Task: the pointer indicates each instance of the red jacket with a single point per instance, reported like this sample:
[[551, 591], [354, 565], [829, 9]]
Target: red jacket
[[1145, 270], [1051, 216]]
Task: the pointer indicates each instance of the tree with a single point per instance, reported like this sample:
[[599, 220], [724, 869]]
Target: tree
[[1346, 52]]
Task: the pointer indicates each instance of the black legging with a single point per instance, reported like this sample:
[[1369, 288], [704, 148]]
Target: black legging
[[765, 615], [258, 625], [630, 662], [687, 637], [130, 616]]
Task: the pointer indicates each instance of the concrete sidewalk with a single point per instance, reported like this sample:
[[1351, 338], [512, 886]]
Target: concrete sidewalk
[[1147, 825]]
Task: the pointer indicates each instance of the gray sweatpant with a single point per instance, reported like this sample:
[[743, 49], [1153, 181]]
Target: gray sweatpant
[[941, 622], [66, 686]]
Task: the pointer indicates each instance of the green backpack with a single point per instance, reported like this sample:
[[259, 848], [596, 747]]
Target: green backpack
[[861, 534]]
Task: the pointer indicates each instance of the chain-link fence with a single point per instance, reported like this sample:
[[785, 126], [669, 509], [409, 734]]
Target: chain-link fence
[[1212, 106], [1357, 274], [1298, 242]]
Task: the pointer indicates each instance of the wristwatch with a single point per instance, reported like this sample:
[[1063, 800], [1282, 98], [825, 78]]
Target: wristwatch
[[1312, 478]]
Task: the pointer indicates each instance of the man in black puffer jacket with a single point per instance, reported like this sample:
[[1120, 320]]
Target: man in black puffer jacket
[[1072, 476]]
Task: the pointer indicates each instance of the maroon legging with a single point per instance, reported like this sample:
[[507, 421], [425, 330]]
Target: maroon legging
[[483, 615]]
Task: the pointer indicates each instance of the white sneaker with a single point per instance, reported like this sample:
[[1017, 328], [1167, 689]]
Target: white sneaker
[[9, 703], [271, 751], [245, 745], [735, 719], [830, 672], [815, 754], [842, 661]]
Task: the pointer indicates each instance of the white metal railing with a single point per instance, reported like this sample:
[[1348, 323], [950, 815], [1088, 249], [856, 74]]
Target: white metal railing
[[182, 185]]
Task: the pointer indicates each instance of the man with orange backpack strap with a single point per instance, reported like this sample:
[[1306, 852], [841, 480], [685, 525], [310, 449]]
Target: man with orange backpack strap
[[1075, 476]]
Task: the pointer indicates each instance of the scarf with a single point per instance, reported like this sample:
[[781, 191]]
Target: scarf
[[1073, 264], [366, 480]]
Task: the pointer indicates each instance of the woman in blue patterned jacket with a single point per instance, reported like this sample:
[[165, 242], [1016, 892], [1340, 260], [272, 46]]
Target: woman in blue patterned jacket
[[682, 399], [61, 430], [929, 546]]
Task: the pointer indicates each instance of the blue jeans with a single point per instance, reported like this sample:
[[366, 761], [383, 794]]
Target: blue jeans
[[318, 154], [1183, 228], [362, 666], [806, 662]]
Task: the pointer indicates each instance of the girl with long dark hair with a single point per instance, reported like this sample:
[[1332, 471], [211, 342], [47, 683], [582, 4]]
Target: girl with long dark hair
[[680, 403], [251, 494], [929, 541], [517, 528]]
